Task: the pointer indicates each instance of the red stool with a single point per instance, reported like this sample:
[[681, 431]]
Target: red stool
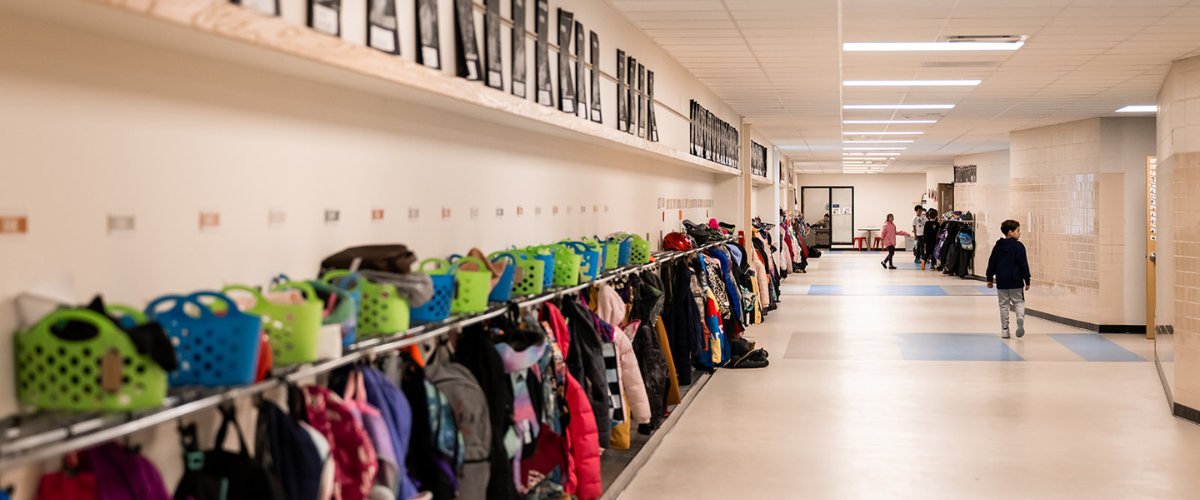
[[878, 244], [860, 242]]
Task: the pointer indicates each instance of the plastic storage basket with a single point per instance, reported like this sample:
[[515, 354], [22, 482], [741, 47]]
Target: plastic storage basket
[[533, 273], [127, 316], [639, 252], [504, 288], [352, 283], [381, 309], [293, 329], [546, 255], [567, 266], [472, 287], [438, 307], [104, 372], [610, 250], [590, 259], [212, 350]]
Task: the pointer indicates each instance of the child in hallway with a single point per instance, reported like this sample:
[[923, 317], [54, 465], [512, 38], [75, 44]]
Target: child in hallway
[[1008, 270], [929, 239], [918, 231], [889, 241]]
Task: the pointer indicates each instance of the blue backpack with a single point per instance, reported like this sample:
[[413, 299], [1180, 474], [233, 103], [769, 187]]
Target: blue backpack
[[966, 241]]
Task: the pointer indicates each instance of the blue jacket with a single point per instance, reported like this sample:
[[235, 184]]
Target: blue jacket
[[1007, 266]]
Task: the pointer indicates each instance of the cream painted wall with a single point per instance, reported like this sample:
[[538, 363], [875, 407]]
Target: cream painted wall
[[987, 200], [875, 196], [99, 126], [939, 175]]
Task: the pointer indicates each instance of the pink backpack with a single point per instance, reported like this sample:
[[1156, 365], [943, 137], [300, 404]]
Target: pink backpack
[[350, 446]]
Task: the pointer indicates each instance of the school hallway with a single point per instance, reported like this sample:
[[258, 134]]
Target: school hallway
[[896, 384]]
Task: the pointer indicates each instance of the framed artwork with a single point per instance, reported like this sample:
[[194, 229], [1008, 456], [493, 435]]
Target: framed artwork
[[382, 26], [468, 48], [428, 53], [519, 63], [268, 7], [581, 105], [622, 93], [632, 110], [595, 46], [541, 53], [566, 88], [325, 16], [493, 61], [651, 122], [641, 118]]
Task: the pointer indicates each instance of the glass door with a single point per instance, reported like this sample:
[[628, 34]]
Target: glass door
[[842, 200]]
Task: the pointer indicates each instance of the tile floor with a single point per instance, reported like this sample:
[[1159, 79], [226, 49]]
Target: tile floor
[[914, 396]]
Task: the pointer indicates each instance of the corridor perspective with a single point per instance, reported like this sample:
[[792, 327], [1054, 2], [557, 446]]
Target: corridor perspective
[[896, 384]]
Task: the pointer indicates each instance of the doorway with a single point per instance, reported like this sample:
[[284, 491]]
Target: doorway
[[838, 203]]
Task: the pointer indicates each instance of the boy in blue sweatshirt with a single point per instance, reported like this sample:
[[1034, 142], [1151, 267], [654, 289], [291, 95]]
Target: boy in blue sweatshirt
[[1008, 271]]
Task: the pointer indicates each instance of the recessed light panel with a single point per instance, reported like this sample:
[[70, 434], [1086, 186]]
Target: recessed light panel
[[1138, 109], [882, 122], [911, 83], [898, 106], [930, 46]]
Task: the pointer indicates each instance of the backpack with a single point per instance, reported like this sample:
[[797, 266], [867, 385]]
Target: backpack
[[435, 453], [121, 475], [221, 475], [390, 258], [350, 445], [287, 450], [966, 241], [472, 416], [714, 351]]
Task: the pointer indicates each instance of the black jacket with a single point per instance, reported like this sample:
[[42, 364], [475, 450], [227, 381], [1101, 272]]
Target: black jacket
[[585, 361], [1007, 266], [478, 353], [682, 321]]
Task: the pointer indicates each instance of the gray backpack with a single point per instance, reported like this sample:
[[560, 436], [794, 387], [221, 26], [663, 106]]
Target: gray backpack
[[474, 420]]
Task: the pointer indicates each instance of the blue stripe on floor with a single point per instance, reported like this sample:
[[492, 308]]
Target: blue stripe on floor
[[908, 290], [1094, 347], [825, 290], [985, 290], [955, 347]]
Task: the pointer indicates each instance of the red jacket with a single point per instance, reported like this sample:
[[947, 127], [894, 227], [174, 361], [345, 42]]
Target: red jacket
[[583, 440]]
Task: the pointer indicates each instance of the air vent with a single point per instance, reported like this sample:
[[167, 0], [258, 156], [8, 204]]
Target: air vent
[[983, 38]]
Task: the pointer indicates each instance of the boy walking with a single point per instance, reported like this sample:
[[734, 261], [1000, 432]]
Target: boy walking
[[918, 231], [1008, 270]]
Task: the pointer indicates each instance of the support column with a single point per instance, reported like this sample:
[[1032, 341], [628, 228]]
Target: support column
[[747, 182]]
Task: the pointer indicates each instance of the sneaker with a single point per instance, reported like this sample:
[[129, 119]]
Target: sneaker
[[883, 264], [892, 267], [1004, 334], [1020, 329], [922, 265]]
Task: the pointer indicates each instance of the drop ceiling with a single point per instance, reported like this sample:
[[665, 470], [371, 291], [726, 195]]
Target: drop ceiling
[[780, 64]]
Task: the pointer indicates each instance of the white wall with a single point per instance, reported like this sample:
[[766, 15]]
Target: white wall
[[988, 200], [98, 126], [938, 175], [875, 196]]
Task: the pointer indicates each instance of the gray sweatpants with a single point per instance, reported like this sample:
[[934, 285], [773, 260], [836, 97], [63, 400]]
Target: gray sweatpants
[[1013, 298]]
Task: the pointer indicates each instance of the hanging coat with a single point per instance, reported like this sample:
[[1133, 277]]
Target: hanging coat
[[584, 361], [582, 436], [477, 352], [682, 323], [632, 385]]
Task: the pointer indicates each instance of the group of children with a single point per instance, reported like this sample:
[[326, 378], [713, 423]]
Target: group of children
[[1007, 271]]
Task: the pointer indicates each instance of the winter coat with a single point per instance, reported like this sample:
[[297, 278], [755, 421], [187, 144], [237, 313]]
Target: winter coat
[[1008, 266], [477, 352], [632, 385], [582, 477], [683, 323], [586, 364], [648, 349], [889, 234]]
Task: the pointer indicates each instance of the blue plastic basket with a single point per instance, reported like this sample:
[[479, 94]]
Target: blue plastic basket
[[438, 308], [592, 263], [212, 350], [626, 250], [503, 289], [353, 283], [544, 254]]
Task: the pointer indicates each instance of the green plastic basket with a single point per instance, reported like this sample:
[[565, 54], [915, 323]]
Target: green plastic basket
[[567, 266], [533, 272], [640, 253], [381, 309], [293, 329], [53, 373], [611, 250], [472, 287]]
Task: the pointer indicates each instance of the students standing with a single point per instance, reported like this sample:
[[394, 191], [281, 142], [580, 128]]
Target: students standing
[[929, 239], [918, 224], [889, 241], [1008, 270]]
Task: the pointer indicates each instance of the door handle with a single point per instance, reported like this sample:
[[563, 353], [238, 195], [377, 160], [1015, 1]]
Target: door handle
[[1154, 258]]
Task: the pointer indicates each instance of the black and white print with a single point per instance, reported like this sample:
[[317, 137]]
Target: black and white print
[[641, 119], [545, 84], [651, 121], [268, 7], [467, 48], [595, 46], [382, 26], [493, 61], [429, 52], [519, 63], [325, 16], [633, 99], [566, 88], [581, 105], [622, 93]]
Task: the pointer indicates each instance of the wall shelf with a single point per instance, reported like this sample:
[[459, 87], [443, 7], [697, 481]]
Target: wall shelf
[[219, 30], [758, 180]]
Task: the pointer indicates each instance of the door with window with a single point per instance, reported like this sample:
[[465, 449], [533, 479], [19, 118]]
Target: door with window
[[832, 207]]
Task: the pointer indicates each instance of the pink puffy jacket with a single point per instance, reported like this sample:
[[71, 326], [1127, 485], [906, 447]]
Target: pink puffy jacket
[[583, 457], [612, 311]]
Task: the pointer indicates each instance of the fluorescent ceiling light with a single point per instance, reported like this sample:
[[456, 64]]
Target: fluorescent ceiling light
[[1138, 109], [881, 122], [896, 141], [898, 106], [929, 46], [911, 83], [883, 133], [881, 148]]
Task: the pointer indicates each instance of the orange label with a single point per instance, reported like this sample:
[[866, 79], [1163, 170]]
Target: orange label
[[14, 224], [377, 214], [209, 220]]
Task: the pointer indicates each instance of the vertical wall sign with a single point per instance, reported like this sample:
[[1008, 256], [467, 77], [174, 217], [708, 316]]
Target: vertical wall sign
[[622, 93], [541, 52], [641, 101], [493, 61], [519, 64], [595, 46], [429, 53], [633, 101], [580, 86], [467, 48], [382, 26], [268, 7], [693, 131], [325, 16], [651, 122], [566, 89]]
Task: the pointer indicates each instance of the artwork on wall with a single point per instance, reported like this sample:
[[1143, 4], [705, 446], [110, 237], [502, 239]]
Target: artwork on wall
[[467, 48], [382, 27], [493, 61], [519, 64], [966, 174], [325, 16], [758, 159], [595, 46], [622, 93], [712, 138], [268, 7], [580, 87], [566, 88], [545, 86], [641, 119], [428, 54], [632, 110], [651, 121]]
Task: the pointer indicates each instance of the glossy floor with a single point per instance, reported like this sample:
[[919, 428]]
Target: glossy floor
[[914, 396]]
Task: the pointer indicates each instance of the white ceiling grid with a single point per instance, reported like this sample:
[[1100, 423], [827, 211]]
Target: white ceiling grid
[[780, 64]]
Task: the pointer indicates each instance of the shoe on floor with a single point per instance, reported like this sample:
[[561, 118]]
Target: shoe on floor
[[1004, 334], [922, 266], [1020, 330], [892, 267], [884, 265]]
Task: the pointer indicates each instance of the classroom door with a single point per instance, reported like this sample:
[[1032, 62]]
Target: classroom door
[[842, 199]]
